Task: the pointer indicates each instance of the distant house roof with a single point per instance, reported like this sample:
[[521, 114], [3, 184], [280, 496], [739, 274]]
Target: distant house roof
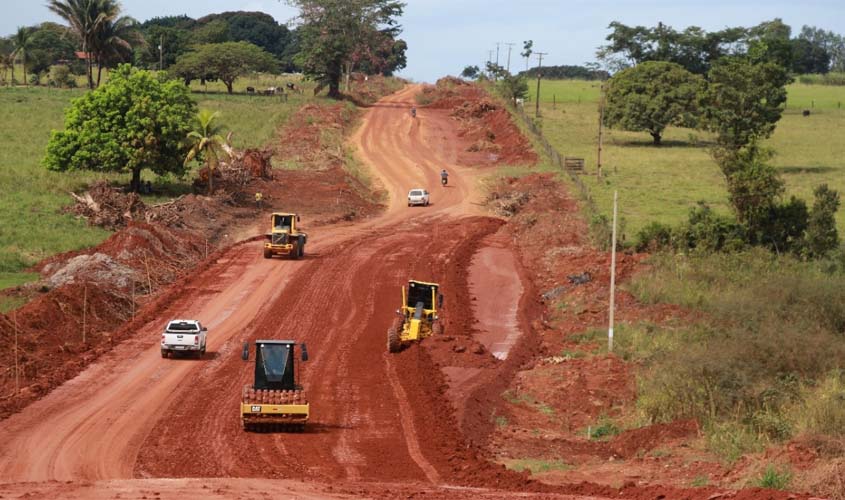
[[82, 55]]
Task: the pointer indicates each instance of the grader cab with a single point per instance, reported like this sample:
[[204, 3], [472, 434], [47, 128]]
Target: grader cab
[[418, 317], [274, 398], [284, 237]]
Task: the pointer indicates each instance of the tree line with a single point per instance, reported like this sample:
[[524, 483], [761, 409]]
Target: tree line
[[359, 35], [813, 50]]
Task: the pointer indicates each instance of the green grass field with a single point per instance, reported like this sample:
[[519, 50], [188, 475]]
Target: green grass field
[[662, 184], [31, 197]]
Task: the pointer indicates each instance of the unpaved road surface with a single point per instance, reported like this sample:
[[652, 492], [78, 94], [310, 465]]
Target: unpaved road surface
[[133, 419]]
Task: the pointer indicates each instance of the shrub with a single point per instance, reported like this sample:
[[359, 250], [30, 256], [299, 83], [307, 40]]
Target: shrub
[[707, 232], [60, 76], [822, 237], [821, 408], [775, 479], [654, 236]]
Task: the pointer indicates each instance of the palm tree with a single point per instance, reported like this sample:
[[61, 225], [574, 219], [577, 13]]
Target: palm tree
[[206, 142], [86, 18], [114, 40], [21, 41]]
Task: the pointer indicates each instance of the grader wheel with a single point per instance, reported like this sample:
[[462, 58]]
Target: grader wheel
[[267, 254], [394, 342]]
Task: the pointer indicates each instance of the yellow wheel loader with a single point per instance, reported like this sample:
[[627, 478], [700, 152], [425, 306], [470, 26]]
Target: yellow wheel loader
[[274, 399], [284, 237], [418, 317]]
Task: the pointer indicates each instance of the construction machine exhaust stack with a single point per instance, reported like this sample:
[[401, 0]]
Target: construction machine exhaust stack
[[274, 397], [418, 317]]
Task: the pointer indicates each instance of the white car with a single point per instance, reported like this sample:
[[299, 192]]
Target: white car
[[183, 335], [418, 197]]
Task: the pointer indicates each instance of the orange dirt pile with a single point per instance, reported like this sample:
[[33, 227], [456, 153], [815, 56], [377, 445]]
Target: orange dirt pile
[[482, 121]]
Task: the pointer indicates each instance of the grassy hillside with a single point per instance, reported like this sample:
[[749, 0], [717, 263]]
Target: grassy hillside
[[31, 197], [662, 184]]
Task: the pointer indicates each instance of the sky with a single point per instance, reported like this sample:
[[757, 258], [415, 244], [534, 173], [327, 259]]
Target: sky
[[444, 36]]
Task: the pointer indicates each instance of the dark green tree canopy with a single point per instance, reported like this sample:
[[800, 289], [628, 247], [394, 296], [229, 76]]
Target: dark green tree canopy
[[337, 34], [132, 122], [743, 101], [651, 96], [814, 50], [223, 61]]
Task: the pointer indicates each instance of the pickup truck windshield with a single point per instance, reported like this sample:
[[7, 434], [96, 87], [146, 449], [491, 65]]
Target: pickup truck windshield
[[182, 327]]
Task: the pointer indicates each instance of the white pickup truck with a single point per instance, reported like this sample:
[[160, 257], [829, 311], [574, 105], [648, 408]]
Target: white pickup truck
[[183, 335]]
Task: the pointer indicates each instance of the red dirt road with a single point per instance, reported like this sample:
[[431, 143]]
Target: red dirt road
[[377, 419]]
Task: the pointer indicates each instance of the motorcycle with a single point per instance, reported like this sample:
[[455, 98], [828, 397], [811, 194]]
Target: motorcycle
[[413, 112], [444, 180]]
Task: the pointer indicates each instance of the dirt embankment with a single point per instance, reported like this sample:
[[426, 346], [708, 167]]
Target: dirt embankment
[[558, 397], [77, 310], [483, 122]]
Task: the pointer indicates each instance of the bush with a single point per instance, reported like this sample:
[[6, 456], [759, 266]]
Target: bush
[[822, 237], [60, 76], [775, 479], [654, 236], [707, 232], [827, 79], [821, 408]]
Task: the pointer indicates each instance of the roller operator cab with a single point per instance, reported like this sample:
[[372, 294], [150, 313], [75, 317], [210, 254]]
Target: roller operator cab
[[274, 397], [285, 238], [419, 316]]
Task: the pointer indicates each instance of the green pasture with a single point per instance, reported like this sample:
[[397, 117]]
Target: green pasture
[[32, 226], [663, 183]]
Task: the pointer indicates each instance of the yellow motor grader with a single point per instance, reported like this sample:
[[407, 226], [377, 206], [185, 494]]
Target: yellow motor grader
[[418, 317], [284, 237], [274, 398]]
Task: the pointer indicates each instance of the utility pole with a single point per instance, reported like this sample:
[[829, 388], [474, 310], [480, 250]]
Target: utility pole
[[539, 75], [510, 47], [612, 275], [17, 371], [161, 53], [497, 52], [601, 123]]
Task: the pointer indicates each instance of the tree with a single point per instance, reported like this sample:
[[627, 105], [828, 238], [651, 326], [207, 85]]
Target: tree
[[743, 101], [134, 121], [173, 33], [86, 18], [332, 32], [113, 42], [513, 87], [830, 42], [21, 40], [6, 50], [809, 57], [224, 61], [50, 44], [206, 143], [470, 72], [527, 50], [652, 96]]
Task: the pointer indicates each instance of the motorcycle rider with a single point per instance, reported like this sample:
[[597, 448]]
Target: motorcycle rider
[[444, 177], [413, 112]]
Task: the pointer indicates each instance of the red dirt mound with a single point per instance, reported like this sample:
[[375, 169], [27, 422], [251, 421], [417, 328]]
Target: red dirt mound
[[83, 298], [483, 121]]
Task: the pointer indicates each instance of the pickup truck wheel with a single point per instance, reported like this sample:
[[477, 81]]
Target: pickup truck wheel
[[163, 353]]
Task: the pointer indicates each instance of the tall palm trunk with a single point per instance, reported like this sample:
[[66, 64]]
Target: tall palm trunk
[[90, 69], [99, 71], [12, 81], [23, 64]]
